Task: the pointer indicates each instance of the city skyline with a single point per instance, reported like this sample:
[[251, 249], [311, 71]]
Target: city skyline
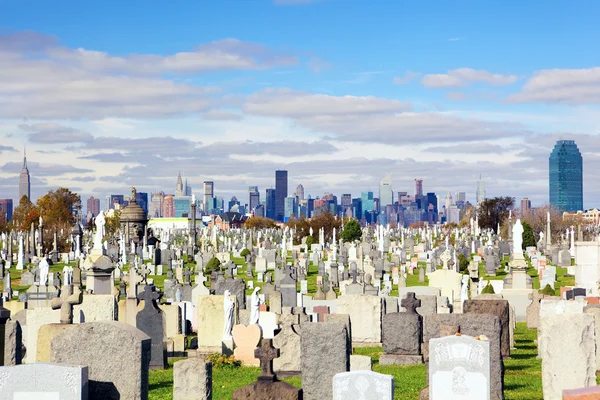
[[438, 92]]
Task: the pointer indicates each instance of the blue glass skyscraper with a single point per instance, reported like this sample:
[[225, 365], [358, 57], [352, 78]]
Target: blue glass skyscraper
[[566, 176]]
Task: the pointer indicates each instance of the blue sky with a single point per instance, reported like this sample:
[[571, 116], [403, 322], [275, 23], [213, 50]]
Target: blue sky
[[339, 92]]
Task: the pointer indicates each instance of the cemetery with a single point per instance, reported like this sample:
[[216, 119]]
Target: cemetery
[[434, 313]]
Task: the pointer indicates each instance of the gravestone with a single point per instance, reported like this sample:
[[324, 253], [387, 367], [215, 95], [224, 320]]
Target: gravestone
[[533, 310], [568, 350], [192, 379], [267, 386], [402, 335], [246, 338], [499, 308], [287, 340], [325, 352], [459, 368], [363, 385], [122, 370], [365, 314], [44, 381], [151, 321]]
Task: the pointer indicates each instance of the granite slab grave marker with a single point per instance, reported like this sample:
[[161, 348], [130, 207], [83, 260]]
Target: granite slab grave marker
[[151, 321], [44, 381], [363, 385]]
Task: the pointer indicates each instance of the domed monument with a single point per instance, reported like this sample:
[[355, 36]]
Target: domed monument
[[134, 222]]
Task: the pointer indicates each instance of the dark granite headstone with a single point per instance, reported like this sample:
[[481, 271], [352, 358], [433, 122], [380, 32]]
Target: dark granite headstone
[[151, 321]]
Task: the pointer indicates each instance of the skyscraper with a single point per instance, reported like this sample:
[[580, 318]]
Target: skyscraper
[[93, 206], [281, 192], [418, 187], [209, 188], [300, 192], [566, 176], [179, 188], [525, 206], [480, 190], [386, 195], [270, 204], [253, 197], [6, 208], [24, 180]]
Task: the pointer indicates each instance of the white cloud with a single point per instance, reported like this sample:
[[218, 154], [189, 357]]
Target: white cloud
[[406, 78], [556, 86], [290, 103], [466, 76]]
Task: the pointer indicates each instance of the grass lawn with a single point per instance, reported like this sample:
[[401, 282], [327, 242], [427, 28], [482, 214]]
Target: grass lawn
[[522, 377]]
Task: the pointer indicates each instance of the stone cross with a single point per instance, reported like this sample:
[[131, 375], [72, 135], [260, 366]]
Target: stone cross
[[65, 302], [149, 295], [353, 274], [445, 257], [266, 353], [230, 268], [410, 303]]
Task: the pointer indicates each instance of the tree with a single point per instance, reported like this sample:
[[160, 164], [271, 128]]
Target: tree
[[213, 265], [468, 213], [492, 212], [327, 221], [301, 228], [244, 253], [352, 231], [547, 290], [112, 225], [528, 236], [58, 209], [463, 262], [260, 223], [488, 289], [25, 214]]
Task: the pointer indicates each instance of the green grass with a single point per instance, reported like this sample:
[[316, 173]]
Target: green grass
[[522, 377]]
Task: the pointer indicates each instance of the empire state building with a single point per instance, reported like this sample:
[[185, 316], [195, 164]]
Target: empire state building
[[24, 180]]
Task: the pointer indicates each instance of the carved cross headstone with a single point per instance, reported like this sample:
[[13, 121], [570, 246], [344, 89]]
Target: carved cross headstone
[[230, 268], [353, 274], [266, 353], [66, 301], [149, 295], [411, 303], [445, 257]]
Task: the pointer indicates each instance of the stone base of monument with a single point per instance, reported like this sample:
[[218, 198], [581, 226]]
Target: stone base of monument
[[424, 394], [400, 359], [268, 391]]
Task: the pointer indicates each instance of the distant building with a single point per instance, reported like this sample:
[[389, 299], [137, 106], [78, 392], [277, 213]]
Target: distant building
[[253, 197], [386, 194], [188, 188], [179, 188], [525, 206], [169, 206], [181, 205], [480, 191], [289, 207], [93, 206], [452, 215], [6, 208], [116, 201], [418, 187], [448, 200], [566, 176], [230, 220], [24, 181], [367, 201], [155, 208], [281, 192], [233, 202], [357, 208], [270, 204], [300, 192], [209, 193]]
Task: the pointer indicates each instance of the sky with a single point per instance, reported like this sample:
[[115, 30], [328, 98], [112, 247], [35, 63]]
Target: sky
[[113, 94]]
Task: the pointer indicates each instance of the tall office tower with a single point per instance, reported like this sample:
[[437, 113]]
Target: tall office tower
[[448, 200], [346, 200], [281, 192], [179, 188], [386, 195], [289, 207], [188, 188], [566, 176], [357, 208], [24, 180], [270, 204], [93, 206], [6, 209], [169, 206], [253, 197], [209, 194], [155, 209], [431, 199], [367, 201], [460, 196], [141, 199], [108, 204], [480, 191], [418, 187], [525, 206], [300, 192], [232, 204]]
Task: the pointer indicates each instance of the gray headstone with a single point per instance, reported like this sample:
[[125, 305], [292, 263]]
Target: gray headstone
[[151, 321], [44, 380]]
